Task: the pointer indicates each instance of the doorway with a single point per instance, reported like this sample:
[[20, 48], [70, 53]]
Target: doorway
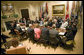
[[25, 13]]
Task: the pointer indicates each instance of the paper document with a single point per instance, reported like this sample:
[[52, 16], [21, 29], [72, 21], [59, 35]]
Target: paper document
[[61, 33]]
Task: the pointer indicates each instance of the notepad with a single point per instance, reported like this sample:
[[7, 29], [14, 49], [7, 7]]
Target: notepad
[[61, 33]]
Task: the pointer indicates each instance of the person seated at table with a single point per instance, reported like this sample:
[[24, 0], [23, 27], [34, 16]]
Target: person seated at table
[[30, 31], [15, 22], [27, 22], [57, 24], [69, 34], [37, 32], [50, 23], [12, 29], [45, 33], [21, 20], [53, 34], [55, 20], [45, 22], [24, 20], [20, 30], [72, 21], [60, 20], [74, 29], [64, 24], [37, 21], [41, 22]]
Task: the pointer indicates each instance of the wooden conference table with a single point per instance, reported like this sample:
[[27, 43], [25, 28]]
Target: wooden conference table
[[60, 30]]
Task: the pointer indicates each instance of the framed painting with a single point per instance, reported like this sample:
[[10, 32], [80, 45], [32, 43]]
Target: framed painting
[[58, 10]]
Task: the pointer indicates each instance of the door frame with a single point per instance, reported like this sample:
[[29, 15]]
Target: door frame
[[20, 12]]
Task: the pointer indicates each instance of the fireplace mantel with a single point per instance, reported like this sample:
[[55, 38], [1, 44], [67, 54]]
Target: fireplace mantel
[[10, 19], [6, 20]]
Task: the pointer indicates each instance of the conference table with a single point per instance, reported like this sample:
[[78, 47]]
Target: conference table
[[60, 30]]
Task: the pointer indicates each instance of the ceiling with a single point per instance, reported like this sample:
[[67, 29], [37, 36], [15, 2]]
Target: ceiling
[[22, 2]]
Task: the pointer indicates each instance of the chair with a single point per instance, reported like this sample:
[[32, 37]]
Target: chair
[[54, 41], [43, 41], [17, 50], [70, 42], [31, 35], [18, 34]]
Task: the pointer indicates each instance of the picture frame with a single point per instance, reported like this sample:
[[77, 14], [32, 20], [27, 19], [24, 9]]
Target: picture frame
[[58, 10]]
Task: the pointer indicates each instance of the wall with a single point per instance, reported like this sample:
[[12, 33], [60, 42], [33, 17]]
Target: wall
[[51, 3], [31, 6]]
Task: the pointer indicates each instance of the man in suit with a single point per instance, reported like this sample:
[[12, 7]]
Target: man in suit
[[50, 23], [69, 34], [74, 30], [30, 31], [19, 28], [15, 22], [12, 29], [45, 33], [53, 33]]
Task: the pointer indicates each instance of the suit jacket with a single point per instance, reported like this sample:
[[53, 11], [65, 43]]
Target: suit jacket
[[50, 24], [30, 32], [53, 35], [12, 30], [69, 35], [45, 33], [74, 30], [57, 25], [19, 29]]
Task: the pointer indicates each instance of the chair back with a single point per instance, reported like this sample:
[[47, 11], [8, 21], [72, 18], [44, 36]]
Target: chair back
[[17, 32]]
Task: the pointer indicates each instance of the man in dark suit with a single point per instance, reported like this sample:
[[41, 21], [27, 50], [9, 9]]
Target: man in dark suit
[[74, 30], [14, 22], [20, 30], [12, 29], [30, 31], [69, 34], [53, 33], [50, 23], [59, 22], [45, 33]]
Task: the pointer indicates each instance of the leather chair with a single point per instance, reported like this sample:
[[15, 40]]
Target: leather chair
[[18, 34]]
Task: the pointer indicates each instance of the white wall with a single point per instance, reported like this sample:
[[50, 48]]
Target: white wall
[[51, 3], [31, 7]]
